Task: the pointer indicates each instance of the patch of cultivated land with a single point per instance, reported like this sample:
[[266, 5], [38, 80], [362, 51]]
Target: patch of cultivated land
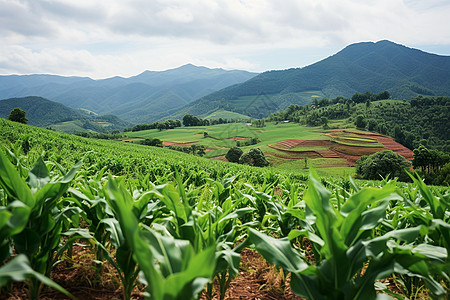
[[282, 143], [361, 144]]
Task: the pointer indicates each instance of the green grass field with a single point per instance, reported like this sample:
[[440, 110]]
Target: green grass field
[[219, 140], [224, 114]]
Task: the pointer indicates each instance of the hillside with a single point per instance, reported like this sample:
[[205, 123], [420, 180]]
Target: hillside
[[139, 99], [421, 121], [42, 112], [361, 67]]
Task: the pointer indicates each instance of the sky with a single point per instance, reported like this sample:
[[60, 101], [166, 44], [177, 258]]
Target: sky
[[106, 38]]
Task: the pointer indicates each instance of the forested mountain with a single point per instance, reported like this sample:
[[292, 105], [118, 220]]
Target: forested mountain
[[138, 99], [374, 67], [42, 112]]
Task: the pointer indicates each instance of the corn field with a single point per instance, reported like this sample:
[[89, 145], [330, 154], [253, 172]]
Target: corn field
[[175, 224]]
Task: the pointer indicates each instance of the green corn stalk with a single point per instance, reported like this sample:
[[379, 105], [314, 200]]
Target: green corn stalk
[[30, 220], [349, 258], [181, 272]]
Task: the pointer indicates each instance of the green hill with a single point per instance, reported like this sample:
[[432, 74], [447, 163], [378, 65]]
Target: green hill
[[374, 67], [227, 115], [42, 112]]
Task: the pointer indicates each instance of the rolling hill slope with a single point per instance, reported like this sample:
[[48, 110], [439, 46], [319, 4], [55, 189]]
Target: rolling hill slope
[[375, 67], [42, 112]]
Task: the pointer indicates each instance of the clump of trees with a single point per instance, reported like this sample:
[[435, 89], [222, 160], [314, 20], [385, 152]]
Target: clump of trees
[[381, 164], [152, 142], [190, 120], [18, 115], [255, 157], [433, 165], [258, 123], [369, 96], [167, 124], [247, 142]]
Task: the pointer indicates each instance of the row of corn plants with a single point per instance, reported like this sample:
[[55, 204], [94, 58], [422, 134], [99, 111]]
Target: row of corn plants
[[166, 206], [176, 238]]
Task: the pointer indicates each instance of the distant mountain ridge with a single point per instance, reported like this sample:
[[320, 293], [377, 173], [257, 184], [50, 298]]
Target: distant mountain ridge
[[42, 112], [361, 67], [139, 99]]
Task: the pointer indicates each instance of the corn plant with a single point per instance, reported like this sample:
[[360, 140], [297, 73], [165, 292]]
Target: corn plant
[[170, 267], [40, 238], [349, 257], [20, 221], [212, 223]]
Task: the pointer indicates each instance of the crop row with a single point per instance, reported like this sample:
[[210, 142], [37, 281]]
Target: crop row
[[177, 236]]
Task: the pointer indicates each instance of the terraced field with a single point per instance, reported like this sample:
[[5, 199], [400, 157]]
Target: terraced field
[[286, 145]]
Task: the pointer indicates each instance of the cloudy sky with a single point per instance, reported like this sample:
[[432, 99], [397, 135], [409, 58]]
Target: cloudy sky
[[104, 38]]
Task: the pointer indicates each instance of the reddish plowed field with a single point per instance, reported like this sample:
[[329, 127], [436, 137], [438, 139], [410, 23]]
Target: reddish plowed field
[[177, 144], [287, 144], [297, 154], [222, 158], [237, 138], [350, 153]]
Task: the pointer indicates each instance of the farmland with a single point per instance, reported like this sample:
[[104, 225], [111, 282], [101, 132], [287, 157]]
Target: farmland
[[136, 222], [287, 146]]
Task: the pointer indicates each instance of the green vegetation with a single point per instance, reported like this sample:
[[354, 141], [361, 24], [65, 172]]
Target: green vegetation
[[18, 115], [180, 222], [423, 121], [234, 154], [45, 113], [433, 165], [226, 115], [382, 164], [255, 157]]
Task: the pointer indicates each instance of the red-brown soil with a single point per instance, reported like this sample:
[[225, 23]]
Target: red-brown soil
[[187, 144], [237, 138], [222, 158], [256, 280]]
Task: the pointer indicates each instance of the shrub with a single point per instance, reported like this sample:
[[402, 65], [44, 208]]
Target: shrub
[[234, 154], [255, 157], [381, 164]]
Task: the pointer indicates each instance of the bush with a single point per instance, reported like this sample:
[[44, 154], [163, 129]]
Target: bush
[[381, 164], [152, 142], [234, 154], [255, 157], [18, 115]]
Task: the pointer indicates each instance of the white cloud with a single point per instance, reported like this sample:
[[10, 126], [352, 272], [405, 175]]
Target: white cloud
[[124, 37]]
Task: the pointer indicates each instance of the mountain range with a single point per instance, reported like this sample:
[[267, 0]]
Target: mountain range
[[138, 99], [150, 96], [404, 72]]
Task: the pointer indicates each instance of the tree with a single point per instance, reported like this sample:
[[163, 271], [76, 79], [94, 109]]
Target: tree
[[255, 157], [234, 154], [324, 121], [18, 115], [360, 122], [381, 164]]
